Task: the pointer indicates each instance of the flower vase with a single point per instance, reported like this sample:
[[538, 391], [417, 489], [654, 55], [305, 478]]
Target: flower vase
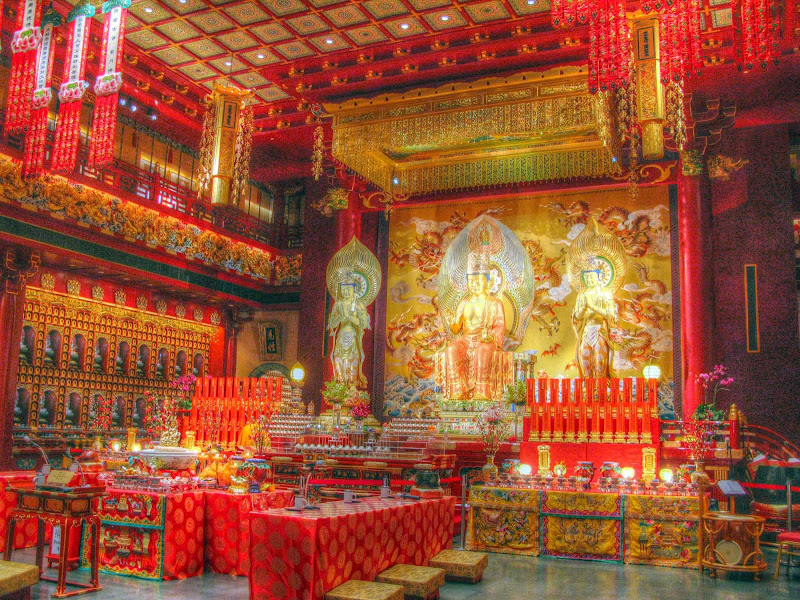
[[337, 414], [699, 477], [490, 469]]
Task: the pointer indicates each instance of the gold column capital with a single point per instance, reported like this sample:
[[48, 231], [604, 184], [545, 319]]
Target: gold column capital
[[692, 163]]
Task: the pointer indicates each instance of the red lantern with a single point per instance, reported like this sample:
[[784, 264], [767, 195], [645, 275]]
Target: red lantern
[[70, 94], [24, 44], [33, 157], [108, 84], [756, 31]]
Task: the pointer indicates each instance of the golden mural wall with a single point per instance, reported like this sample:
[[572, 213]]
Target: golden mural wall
[[546, 225]]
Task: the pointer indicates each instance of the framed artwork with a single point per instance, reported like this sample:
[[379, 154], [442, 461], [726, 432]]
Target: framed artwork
[[270, 340]]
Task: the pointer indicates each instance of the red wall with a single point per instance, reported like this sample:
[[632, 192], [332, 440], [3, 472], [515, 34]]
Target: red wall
[[752, 224]]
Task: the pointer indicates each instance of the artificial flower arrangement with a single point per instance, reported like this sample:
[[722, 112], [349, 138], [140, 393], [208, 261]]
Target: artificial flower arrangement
[[335, 393], [185, 384], [516, 393], [713, 382], [493, 426], [360, 410]]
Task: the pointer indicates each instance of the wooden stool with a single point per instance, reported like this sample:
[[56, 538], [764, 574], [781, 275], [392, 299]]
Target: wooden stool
[[461, 565], [365, 590], [786, 542], [16, 580], [419, 583]]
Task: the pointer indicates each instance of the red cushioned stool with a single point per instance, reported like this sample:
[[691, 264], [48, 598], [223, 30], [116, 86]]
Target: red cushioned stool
[[787, 540]]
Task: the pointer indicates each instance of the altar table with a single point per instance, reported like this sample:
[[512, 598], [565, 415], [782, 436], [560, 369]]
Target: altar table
[[305, 554], [25, 530], [227, 527], [641, 529], [151, 535]]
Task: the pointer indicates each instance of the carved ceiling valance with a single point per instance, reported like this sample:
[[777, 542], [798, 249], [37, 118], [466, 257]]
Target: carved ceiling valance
[[526, 128]]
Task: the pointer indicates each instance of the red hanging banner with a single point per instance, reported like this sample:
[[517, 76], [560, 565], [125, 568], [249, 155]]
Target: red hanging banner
[[24, 44], [108, 84], [33, 156], [70, 94]]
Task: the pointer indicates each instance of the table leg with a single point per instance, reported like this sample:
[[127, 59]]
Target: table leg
[[95, 552], [39, 543], [63, 558], [9, 538]]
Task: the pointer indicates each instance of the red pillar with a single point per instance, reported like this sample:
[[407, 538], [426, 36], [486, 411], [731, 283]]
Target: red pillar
[[230, 350], [17, 266], [697, 316], [348, 222]]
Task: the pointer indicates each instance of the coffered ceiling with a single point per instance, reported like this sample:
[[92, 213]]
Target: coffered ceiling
[[297, 54]]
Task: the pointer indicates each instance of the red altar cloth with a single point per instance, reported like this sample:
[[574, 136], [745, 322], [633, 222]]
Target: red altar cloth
[[227, 527], [152, 535], [24, 530], [305, 554]]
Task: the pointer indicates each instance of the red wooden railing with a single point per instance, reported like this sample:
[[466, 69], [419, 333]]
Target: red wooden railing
[[593, 410], [222, 406], [152, 188]]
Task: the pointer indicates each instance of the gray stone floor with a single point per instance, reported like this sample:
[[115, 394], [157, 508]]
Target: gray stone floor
[[506, 578]]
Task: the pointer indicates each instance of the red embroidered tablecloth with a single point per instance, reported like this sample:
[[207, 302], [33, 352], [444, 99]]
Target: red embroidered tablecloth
[[303, 555], [228, 527], [152, 535], [24, 530]]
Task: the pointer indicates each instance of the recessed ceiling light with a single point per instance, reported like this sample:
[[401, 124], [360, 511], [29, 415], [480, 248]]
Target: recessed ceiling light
[[530, 2], [328, 41], [444, 17], [260, 56], [183, 1], [227, 63], [148, 10], [404, 25]]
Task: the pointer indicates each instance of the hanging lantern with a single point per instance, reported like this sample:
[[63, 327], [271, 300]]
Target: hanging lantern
[[73, 86], [570, 13], [33, 156], [679, 39], [24, 44], [756, 32], [225, 145], [609, 37], [108, 84], [609, 45]]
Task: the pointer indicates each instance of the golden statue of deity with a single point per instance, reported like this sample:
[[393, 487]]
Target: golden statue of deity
[[596, 268], [354, 278], [483, 266], [347, 323]]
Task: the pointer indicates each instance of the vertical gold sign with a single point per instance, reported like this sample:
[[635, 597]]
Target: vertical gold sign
[[649, 89]]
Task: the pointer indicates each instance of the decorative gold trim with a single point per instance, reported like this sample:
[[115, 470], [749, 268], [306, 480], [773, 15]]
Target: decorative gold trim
[[33, 294], [525, 128]]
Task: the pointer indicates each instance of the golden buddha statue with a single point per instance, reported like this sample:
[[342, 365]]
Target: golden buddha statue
[[354, 278], [484, 266], [597, 266], [473, 358]]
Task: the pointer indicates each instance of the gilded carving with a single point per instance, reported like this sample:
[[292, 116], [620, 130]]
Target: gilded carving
[[97, 292], [180, 310], [722, 167], [73, 287], [161, 306], [120, 297], [113, 215], [48, 281], [141, 302], [492, 132], [198, 314], [692, 163]]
